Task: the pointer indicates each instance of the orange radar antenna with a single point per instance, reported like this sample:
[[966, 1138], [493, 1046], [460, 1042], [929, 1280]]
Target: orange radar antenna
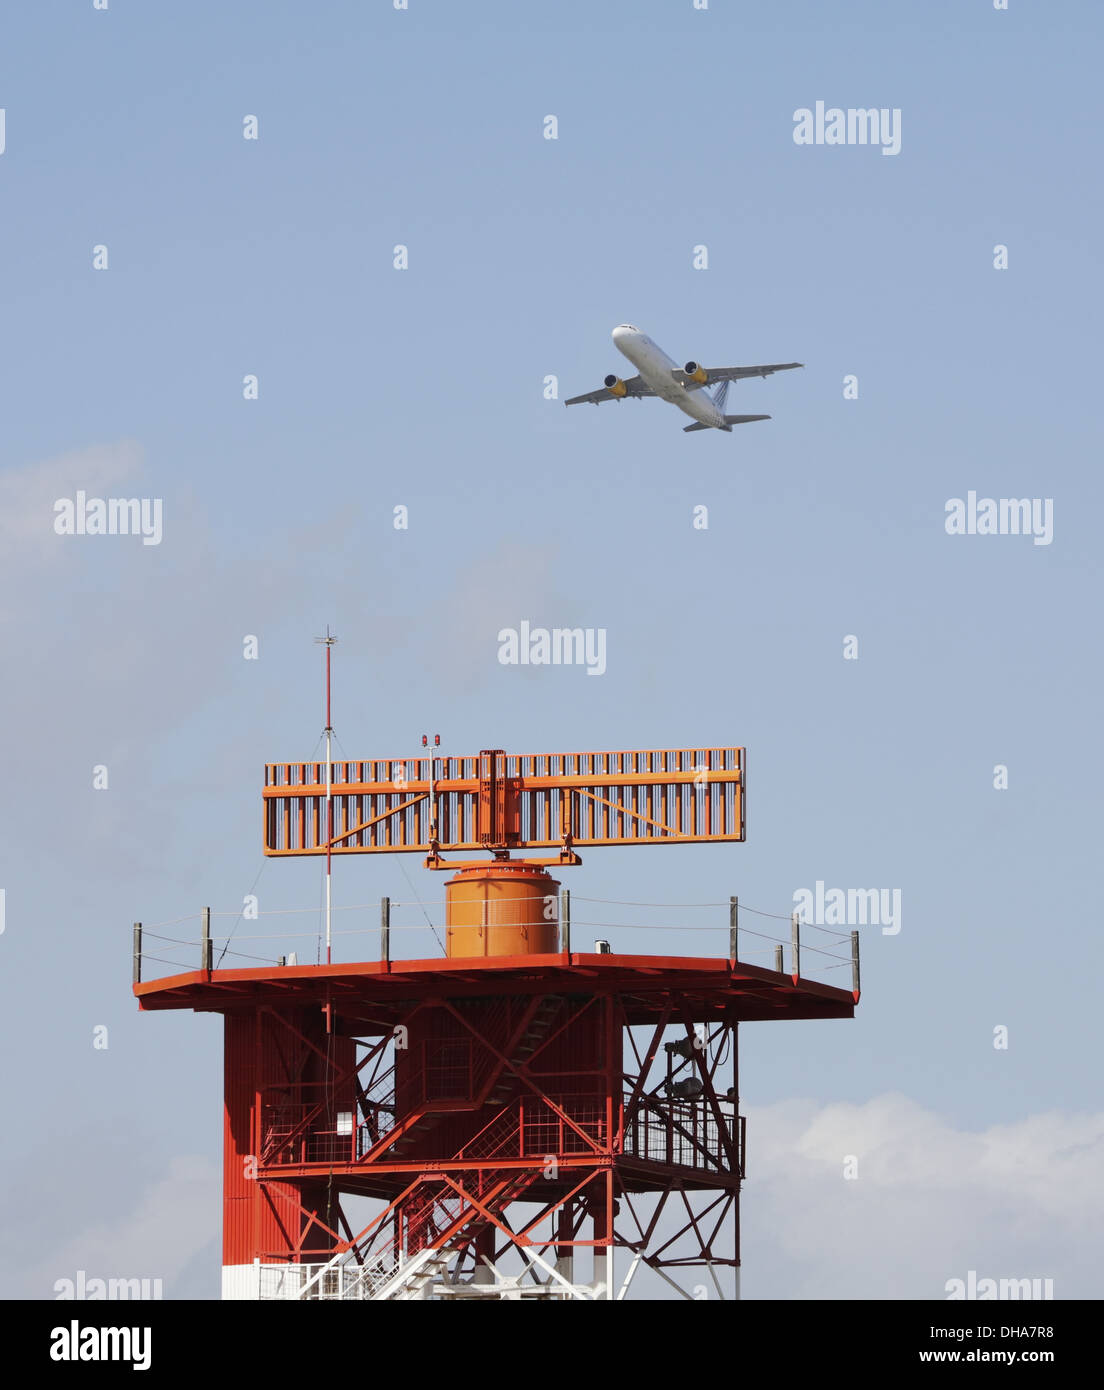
[[503, 804], [500, 803]]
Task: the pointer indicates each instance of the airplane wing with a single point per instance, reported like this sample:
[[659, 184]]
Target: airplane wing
[[715, 374], [634, 387]]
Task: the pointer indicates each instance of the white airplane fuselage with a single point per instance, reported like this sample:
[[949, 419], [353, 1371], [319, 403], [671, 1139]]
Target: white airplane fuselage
[[656, 368]]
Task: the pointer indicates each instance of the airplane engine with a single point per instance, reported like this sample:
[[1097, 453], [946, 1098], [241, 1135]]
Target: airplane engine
[[615, 386], [696, 372]]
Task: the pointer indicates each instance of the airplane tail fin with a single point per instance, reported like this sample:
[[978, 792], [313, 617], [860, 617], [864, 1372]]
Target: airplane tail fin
[[729, 420]]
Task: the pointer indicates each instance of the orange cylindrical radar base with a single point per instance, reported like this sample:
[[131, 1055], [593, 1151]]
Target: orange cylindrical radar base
[[502, 910]]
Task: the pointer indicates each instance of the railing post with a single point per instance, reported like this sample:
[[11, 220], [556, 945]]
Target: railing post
[[385, 929], [733, 926], [855, 965], [779, 965], [205, 942], [565, 921], [795, 947], [137, 953]]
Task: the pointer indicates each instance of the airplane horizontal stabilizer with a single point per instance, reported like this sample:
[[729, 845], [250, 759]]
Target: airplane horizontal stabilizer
[[729, 420]]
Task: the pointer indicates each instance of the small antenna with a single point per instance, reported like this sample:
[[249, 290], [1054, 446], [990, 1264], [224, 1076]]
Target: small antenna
[[432, 789], [328, 642]]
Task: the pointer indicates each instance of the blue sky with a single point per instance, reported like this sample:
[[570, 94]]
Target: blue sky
[[425, 388]]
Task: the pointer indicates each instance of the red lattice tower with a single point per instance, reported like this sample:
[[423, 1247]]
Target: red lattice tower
[[517, 1111]]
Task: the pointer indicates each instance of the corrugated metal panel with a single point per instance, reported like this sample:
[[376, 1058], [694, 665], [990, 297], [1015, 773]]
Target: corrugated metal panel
[[265, 1059]]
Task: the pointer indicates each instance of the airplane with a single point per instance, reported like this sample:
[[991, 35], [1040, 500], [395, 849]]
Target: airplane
[[682, 386]]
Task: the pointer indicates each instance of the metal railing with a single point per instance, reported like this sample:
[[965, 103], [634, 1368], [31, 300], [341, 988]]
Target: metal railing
[[686, 1134], [716, 930]]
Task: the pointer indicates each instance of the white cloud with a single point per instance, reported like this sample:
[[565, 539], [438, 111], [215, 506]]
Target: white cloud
[[931, 1201], [173, 1219], [28, 494]]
